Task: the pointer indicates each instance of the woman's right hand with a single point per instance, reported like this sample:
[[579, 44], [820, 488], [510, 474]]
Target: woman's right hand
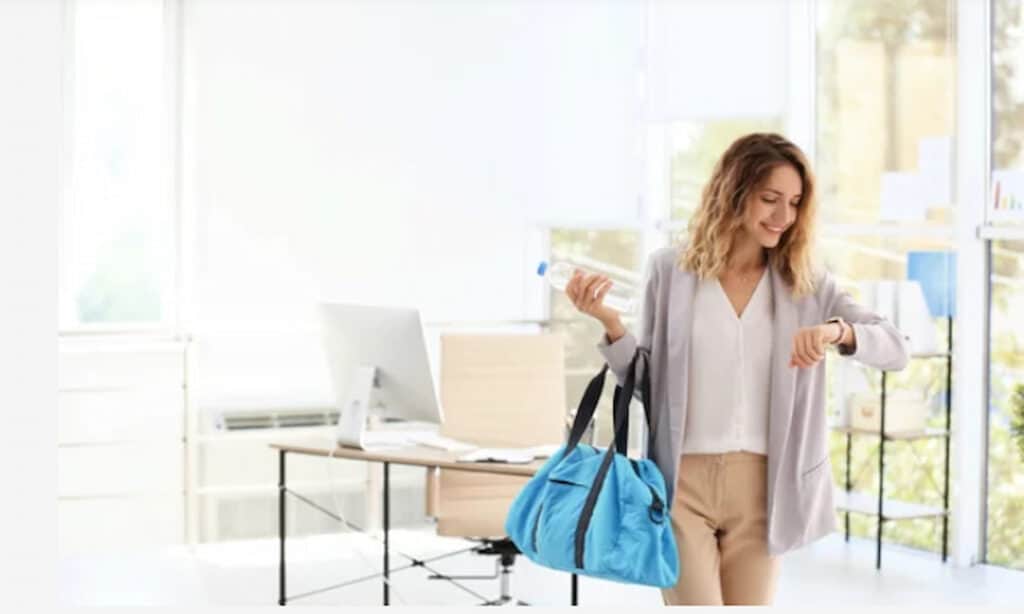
[[587, 291]]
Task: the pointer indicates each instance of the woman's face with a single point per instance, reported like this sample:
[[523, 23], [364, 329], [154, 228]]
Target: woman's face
[[772, 207]]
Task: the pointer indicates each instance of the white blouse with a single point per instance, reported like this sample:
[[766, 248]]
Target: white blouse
[[730, 371]]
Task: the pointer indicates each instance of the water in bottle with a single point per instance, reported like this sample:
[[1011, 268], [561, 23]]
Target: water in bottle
[[620, 297]]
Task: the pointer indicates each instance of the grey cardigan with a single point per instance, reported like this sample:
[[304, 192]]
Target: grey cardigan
[[800, 501]]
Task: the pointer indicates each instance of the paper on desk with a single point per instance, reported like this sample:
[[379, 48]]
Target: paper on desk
[[509, 455], [433, 440]]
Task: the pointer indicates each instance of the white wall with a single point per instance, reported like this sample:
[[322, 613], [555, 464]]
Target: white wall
[[120, 446], [30, 137], [718, 59], [400, 152], [392, 153]]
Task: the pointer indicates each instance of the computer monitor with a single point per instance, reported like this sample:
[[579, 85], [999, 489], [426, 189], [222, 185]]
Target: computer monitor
[[377, 360]]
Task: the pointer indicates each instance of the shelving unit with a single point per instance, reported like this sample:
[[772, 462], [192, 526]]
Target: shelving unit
[[883, 509]]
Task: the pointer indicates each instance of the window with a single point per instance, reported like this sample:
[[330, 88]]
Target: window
[[885, 118], [885, 111], [1005, 541], [118, 247], [1006, 407]]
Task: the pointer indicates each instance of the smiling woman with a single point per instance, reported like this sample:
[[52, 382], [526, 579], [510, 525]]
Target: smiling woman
[[731, 227], [723, 312]]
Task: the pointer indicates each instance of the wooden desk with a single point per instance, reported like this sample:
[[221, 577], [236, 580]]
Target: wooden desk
[[413, 455]]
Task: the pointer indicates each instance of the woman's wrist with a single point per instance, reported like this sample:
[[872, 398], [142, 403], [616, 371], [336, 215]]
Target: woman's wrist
[[839, 333], [614, 330]]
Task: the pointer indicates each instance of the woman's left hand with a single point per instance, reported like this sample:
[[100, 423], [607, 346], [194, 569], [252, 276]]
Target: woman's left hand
[[809, 345]]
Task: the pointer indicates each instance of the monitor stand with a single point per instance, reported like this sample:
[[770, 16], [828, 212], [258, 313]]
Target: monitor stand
[[355, 408], [355, 413]]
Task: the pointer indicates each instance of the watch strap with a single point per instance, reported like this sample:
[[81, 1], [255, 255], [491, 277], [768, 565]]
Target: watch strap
[[842, 327]]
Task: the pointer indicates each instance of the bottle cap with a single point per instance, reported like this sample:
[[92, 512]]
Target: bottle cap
[[542, 268]]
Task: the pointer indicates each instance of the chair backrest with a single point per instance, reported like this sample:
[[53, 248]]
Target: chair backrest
[[497, 390]]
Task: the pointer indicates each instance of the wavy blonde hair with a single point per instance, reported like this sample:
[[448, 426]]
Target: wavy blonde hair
[[738, 174]]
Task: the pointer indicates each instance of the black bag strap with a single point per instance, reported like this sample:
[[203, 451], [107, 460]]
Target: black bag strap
[[621, 418], [622, 441], [585, 410]]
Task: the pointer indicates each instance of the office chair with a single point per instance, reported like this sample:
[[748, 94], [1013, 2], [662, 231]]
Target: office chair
[[496, 391]]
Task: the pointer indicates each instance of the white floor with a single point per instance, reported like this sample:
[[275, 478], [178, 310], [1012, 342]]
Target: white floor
[[828, 572]]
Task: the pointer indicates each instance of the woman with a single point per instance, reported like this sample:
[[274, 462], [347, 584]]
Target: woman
[[737, 321]]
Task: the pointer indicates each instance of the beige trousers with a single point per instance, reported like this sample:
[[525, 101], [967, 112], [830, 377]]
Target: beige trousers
[[719, 519]]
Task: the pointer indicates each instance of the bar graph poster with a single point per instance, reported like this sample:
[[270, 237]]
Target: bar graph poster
[[1007, 202]]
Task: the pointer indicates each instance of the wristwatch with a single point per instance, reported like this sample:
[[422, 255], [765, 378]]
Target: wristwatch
[[842, 327]]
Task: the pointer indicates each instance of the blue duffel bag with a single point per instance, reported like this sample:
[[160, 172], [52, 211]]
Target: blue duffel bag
[[598, 512]]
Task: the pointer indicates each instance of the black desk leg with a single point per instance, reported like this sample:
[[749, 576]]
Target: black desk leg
[[849, 484], [575, 590], [387, 526], [881, 480], [949, 406], [281, 532]]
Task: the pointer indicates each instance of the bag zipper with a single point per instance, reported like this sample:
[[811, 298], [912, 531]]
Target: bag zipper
[[567, 482]]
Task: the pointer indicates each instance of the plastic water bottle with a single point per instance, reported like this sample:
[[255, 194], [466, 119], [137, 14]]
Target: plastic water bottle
[[620, 297]]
